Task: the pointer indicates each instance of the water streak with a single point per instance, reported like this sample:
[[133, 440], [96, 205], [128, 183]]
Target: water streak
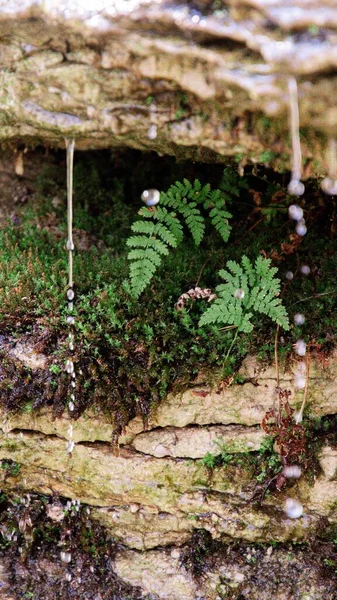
[[70, 367], [295, 186], [329, 184]]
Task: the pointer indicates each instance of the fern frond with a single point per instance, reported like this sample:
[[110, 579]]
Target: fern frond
[[232, 184], [161, 228], [184, 197], [249, 290], [215, 203], [144, 242]]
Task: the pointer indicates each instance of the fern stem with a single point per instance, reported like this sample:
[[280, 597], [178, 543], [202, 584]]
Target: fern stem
[[277, 366], [231, 347]]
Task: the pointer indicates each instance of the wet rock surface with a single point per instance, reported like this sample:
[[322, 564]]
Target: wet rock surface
[[205, 81], [155, 493]]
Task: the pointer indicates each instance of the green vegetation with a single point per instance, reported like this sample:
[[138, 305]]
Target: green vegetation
[[248, 289], [131, 351], [161, 228], [10, 467]]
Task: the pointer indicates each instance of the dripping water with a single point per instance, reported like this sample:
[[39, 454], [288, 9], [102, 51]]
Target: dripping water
[[70, 368], [293, 508], [295, 186], [329, 184], [65, 554]]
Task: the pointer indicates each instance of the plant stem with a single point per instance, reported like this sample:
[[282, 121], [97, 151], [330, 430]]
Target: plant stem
[[231, 347]]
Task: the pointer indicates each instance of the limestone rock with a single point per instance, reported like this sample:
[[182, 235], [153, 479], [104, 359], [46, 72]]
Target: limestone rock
[[254, 573], [156, 573], [185, 491], [193, 81], [196, 442]]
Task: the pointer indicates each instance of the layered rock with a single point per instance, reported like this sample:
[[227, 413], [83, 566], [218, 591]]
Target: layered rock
[[155, 492], [191, 80]]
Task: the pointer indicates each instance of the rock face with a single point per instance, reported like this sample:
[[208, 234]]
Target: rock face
[[156, 491], [206, 81]]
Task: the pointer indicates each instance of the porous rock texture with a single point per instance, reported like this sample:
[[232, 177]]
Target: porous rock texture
[[202, 80], [154, 493]]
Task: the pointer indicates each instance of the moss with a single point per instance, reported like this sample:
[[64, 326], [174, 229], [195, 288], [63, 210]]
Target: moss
[[132, 353]]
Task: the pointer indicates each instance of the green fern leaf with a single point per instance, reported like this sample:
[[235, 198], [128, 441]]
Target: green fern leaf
[[161, 228], [249, 290]]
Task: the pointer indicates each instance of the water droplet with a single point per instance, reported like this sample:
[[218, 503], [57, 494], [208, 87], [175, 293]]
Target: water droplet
[[299, 319], [66, 557], [150, 197], [71, 346], [68, 577], [70, 306], [305, 270], [71, 320], [300, 381], [298, 417], [301, 367], [295, 212], [73, 384], [70, 245], [70, 294], [239, 294], [71, 406], [300, 347], [301, 228], [289, 275], [195, 19], [69, 366], [296, 187], [329, 186], [293, 508], [292, 471], [70, 446], [152, 132], [92, 570], [70, 431]]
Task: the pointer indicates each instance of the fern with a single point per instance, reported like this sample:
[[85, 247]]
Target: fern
[[161, 228], [248, 290]]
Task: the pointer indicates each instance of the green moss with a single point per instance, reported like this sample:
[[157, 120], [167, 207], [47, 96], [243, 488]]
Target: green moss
[[132, 353]]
